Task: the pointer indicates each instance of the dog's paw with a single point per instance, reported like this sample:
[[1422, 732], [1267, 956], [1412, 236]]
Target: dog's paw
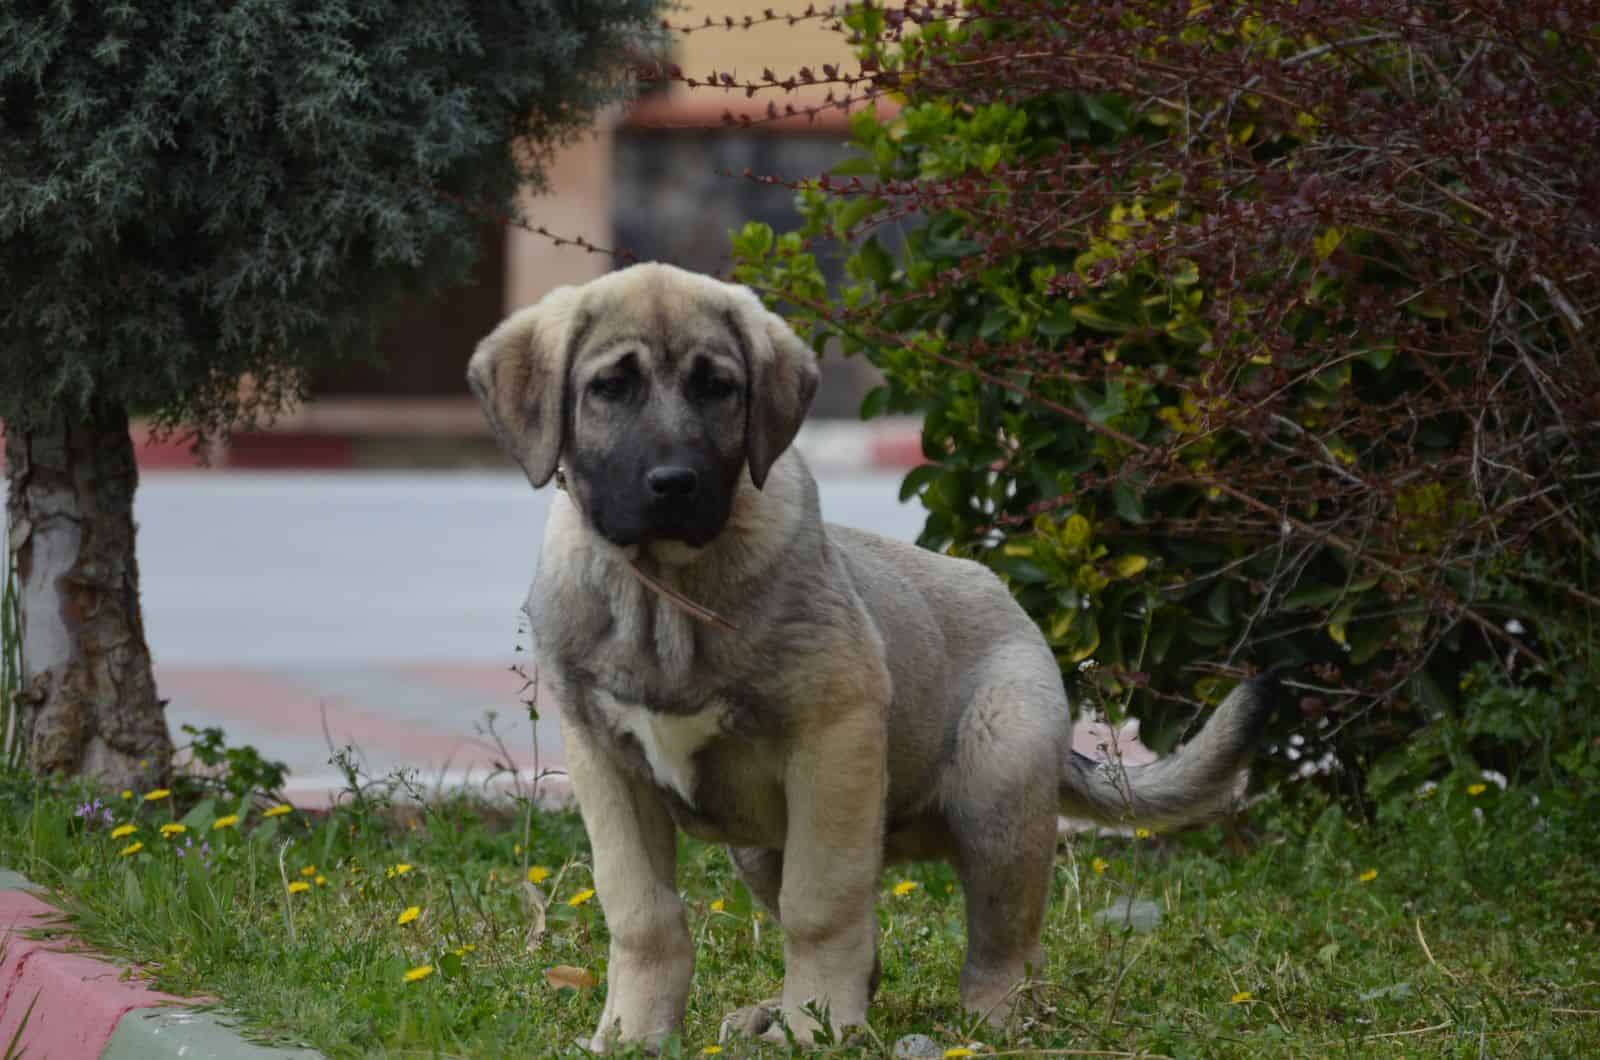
[[602, 1044], [753, 1021]]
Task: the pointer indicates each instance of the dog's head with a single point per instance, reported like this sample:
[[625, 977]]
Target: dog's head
[[656, 388]]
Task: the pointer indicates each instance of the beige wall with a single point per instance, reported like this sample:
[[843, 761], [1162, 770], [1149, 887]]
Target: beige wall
[[578, 203], [579, 200], [745, 53]]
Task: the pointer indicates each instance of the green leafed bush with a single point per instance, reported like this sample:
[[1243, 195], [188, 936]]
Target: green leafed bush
[[1237, 341]]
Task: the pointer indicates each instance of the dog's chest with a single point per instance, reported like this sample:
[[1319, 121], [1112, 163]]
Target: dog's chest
[[669, 742]]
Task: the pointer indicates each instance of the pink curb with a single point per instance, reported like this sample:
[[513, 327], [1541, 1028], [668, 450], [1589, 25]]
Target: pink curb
[[324, 436], [80, 998], [235, 694]]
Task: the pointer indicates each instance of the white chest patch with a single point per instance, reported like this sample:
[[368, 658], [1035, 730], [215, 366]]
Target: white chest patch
[[669, 741]]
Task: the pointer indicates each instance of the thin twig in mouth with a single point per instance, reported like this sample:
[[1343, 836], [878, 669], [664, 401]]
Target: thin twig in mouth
[[694, 610]]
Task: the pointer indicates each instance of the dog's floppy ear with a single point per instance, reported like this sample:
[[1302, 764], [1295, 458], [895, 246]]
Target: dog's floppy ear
[[783, 378], [519, 374]]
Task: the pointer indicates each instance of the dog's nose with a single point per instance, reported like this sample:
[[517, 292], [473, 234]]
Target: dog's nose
[[671, 481]]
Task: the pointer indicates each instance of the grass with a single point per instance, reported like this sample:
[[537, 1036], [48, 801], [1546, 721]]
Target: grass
[[1467, 928]]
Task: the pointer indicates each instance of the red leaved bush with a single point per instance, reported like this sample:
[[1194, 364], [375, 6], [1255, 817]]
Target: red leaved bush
[[1293, 303]]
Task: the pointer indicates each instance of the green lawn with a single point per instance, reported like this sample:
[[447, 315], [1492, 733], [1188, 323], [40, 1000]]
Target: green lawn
[[1467, 926]]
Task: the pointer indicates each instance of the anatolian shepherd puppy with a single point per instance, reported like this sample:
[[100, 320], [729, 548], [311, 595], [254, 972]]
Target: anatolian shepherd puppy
[[876, 702]]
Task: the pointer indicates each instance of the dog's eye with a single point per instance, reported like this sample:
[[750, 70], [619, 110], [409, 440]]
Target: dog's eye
[[610, 387], [709, 387]]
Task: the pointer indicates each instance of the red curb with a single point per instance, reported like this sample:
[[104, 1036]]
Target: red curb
[[80, 998], [896, 449], [169, 454], [299, 451]]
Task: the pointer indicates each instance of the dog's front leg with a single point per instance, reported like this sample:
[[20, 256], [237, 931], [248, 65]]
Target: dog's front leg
[[635, 861], [836, 783]]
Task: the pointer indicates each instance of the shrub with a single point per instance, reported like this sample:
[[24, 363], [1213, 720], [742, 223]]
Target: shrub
[[1241, 334]]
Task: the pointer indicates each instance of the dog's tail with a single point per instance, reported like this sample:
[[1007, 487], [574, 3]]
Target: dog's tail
[[1183, 787]]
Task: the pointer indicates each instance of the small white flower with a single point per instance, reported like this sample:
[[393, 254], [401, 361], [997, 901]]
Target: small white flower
[[1297, 740], [1426, 786], [1497, 779], [1515, 627]]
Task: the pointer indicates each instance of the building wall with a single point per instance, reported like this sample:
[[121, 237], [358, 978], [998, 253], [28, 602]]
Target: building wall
[[652, 178]]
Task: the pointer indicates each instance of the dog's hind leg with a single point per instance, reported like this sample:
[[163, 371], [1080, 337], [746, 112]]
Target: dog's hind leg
[[1001, 810], [761, 870]]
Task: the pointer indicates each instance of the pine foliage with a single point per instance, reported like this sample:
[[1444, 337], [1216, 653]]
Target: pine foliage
[[193, 193]]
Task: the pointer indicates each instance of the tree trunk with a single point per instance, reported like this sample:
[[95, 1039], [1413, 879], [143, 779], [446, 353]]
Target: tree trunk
[[88, 703]]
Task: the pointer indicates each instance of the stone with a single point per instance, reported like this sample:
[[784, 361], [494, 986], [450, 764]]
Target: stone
[[1139, 914], [917, 1047]]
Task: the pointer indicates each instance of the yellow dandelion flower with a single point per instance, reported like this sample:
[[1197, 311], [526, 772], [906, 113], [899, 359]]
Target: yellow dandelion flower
[[538, 874], [959, 1050], [581, 897], [402, 868], [1240, 998], [422, 971], [174, 829], [718, 906], [132, 848], [905, 887], [711, 1050], [126, 794], [1477, 789], [299, 885], [411, 913], [156, 795], [1142, 833], [1099, 865], [226, 821], [1368, 876], [123, 831], [308, 871], [464, 949], [278, 810], [321, 880]]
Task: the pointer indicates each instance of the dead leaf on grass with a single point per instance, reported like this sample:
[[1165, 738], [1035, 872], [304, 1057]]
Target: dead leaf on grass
[[566, 975]]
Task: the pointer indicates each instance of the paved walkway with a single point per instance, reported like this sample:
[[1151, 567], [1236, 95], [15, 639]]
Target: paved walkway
[[304, 612], [428, 718]]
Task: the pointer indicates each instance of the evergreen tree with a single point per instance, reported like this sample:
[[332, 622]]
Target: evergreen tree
[[199, 201]]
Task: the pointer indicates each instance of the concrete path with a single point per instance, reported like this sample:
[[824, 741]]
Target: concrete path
[[304, 612]]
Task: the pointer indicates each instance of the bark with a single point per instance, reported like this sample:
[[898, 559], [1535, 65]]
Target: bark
[[88, 703]]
